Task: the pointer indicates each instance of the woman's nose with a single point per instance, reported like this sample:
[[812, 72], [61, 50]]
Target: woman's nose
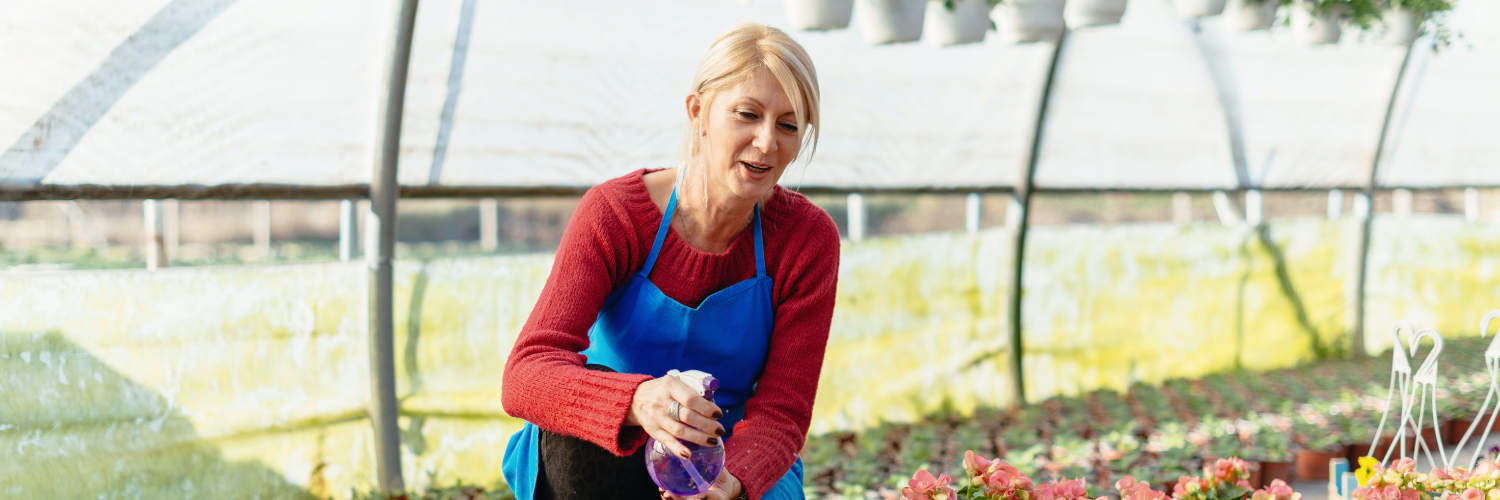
[[765, 137]]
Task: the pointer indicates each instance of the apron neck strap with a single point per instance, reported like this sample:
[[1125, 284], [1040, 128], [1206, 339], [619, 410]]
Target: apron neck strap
[[760, 252], [661, 233], [666, 222]]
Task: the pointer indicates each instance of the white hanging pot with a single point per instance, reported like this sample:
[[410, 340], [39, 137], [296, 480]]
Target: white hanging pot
[[891, 21], [1317, 25], [1402, 26], [818, 14], [1080, 13], [965, 22], [1028, 20], [1250, 15], [1198, 8]]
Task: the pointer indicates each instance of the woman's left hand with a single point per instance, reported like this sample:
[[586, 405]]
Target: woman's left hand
[[726, 488]]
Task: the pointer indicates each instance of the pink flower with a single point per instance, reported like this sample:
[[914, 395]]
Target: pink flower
[[1440, 474], [1231, 470], [1278, 490], [1404, 465], [923, 486], [976, 465], [1006, 482], [1472, 494], [1486, 468], [1063, 490], [1125, 484]]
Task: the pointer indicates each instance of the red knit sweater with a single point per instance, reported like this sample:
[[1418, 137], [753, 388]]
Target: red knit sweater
[[605, 243]]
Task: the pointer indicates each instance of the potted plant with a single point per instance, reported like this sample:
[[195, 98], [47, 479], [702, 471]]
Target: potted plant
[[891, 21], [1318, 21], [1198, 8], [951, 22], [1081, 13], [1320, 447], [1250, 15], [1275, 454], [818, 14], [1019, 21], [1400, 482], [1403, 19]]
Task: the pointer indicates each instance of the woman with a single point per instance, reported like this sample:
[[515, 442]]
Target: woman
[[708, 266]]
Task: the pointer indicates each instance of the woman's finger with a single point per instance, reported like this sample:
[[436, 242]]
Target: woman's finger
[[703, 424], [692, 401], [670, 441], [687, 432]]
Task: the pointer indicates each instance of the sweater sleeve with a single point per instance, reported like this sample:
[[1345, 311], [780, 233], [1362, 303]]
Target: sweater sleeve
[[545, 381], [767, 440]]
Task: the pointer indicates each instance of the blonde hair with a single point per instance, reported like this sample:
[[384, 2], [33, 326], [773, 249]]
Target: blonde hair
[[735, 57]]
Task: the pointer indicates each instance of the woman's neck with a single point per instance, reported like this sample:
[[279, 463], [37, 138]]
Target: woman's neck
[[709, 217]]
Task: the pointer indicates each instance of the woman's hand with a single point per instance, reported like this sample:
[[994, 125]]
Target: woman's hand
[[651, 409], [727, 487]]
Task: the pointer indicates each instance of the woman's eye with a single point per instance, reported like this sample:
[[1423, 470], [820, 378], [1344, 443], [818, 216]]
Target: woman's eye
[[748, 115], [789, 127]]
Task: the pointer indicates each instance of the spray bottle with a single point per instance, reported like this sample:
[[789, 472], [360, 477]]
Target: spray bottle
[[690, 476]]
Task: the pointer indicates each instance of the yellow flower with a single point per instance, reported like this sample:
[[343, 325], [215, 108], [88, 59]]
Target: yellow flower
[[1366, 470]]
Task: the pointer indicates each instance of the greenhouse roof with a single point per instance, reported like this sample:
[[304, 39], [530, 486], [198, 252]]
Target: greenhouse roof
[[279, 98]]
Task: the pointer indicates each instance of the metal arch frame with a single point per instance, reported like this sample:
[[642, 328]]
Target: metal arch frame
[[379, 254]]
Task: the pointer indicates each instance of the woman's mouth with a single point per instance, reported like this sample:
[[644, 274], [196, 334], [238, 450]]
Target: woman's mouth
[[756, 169]]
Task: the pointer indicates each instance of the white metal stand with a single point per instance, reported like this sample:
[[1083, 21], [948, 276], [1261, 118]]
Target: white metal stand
[[1492, 365], [1417, 389]]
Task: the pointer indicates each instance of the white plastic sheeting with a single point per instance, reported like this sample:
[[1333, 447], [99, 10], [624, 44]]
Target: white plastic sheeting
[[507, 93]]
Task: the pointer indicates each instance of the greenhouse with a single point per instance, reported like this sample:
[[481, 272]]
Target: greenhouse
[[1320, 209]]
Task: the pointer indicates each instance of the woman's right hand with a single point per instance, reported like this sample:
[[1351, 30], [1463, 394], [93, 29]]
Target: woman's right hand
[[651, 409]]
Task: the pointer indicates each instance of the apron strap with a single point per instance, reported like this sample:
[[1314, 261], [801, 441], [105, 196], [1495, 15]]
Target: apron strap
[[760, 252], [666, 222], [661, 234]]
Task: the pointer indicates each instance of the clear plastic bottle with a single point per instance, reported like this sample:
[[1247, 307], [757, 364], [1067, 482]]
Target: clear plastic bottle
[[694, 476]]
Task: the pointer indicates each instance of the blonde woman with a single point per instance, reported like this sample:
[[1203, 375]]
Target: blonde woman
[[709, 266]]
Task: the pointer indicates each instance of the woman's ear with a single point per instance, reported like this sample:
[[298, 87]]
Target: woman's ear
[[694, 109]]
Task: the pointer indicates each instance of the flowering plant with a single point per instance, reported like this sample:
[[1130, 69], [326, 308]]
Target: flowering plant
[[997, 480], [925, 487], [1132, 490], [1225, 479], [1482, 483], [1399, 482]]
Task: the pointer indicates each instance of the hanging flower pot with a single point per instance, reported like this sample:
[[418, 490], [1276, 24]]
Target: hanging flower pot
[[1402, 26], [1080, 13], [818, 14], [1198, 8], [1318, 24], [1250, 15], [891, 21], [951, 22], [1028, 20]]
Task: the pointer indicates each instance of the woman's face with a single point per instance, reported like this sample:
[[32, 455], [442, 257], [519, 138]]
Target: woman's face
[[748, 136]]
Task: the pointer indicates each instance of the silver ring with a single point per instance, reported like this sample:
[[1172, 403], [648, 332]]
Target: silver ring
[[676, 410]]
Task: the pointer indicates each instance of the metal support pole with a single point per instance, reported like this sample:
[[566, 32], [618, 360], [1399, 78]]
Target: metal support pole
[[260, 227], [856, 208], [1471, 204], [971, 213], [172, 226], [1401, 203], [1182, 208], [1367, 216], [1225, 208], [1254, 211], [155, 252], [383, 192], [348, 230], [489, 224], [1018, 212]]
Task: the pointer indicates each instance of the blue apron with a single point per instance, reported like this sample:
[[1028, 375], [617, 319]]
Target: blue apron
[[642, 330]]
